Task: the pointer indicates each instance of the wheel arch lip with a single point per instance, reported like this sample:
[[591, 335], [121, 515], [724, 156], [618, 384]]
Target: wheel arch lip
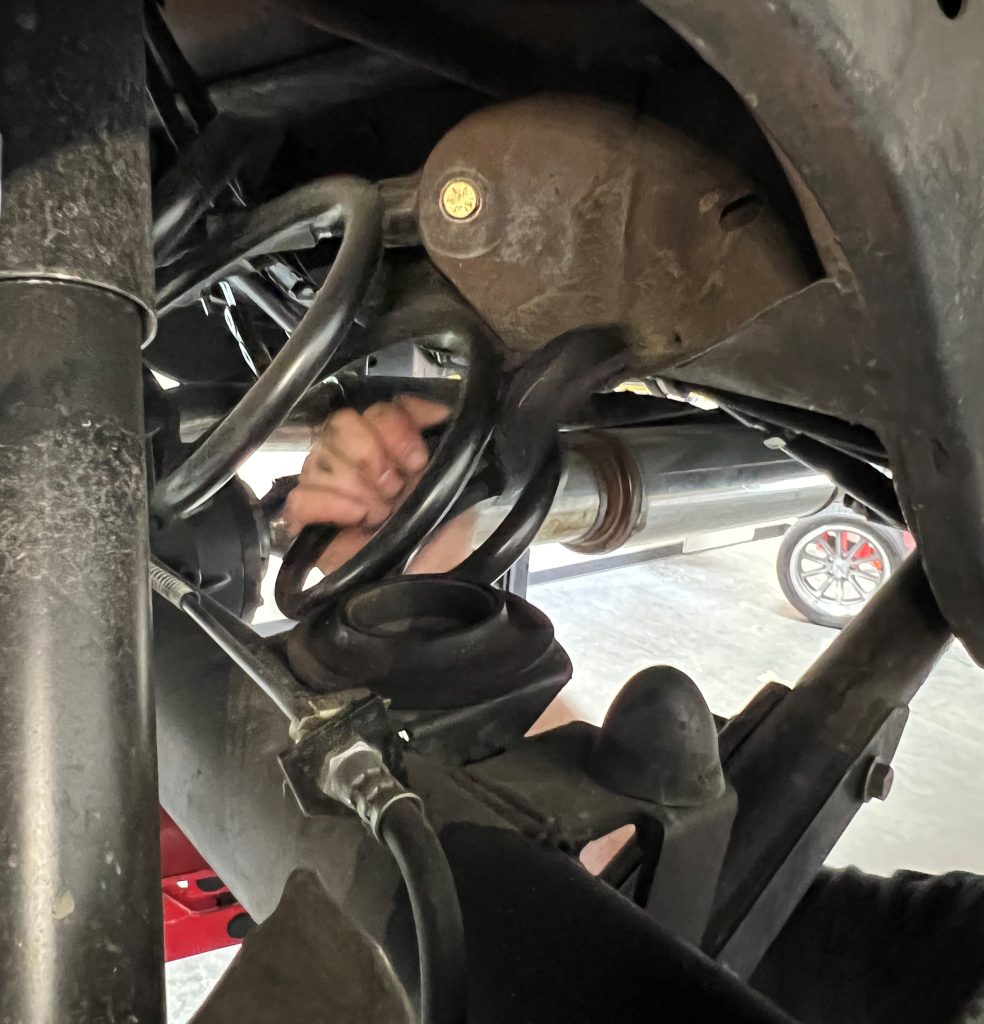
[[870, 104]]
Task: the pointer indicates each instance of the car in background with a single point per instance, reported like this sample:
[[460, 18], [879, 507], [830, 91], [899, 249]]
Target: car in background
[[830, 563]]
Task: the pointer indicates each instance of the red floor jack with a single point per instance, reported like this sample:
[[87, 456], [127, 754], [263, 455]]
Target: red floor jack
[[200, 913]]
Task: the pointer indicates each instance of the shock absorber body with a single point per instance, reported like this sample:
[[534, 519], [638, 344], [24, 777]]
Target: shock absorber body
[[80, 903]]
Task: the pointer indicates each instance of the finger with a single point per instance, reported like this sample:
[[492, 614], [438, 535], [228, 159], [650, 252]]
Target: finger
[[324, 470], [376, 510], [348, 543], [307, 505], [422, 411], [319, 471], [350, 443], [400, 435]]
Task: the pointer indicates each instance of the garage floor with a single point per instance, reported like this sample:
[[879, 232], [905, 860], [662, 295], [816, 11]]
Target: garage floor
[[720, 616]]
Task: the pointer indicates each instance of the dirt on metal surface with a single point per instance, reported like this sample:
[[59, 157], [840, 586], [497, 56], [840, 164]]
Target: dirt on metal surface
[[587, 212]]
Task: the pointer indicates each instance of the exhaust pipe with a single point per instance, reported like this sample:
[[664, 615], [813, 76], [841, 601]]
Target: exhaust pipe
[[642, 486], [646, 486]]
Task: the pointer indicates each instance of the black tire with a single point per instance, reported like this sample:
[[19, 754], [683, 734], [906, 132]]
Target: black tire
[[797, 549]]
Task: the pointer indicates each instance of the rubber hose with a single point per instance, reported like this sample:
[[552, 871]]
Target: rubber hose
[[436, 912]]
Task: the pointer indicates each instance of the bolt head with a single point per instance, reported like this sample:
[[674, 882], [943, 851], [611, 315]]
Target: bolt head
[[878, 783], [460, 199]]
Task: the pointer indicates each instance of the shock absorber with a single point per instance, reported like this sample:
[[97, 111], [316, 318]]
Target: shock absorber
[[80, 901]]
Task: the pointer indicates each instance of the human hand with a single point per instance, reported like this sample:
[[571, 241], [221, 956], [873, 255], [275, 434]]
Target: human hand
[[360, 469]]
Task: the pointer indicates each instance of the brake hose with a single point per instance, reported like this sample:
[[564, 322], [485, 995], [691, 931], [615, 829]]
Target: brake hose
[[358, 778], [243, 644]]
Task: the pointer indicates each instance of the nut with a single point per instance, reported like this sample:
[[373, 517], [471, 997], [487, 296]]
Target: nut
[[460, 199], [878, 782]]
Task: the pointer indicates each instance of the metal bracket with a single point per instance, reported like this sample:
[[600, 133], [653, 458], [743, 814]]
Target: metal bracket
[[756, 931], [365, 719]]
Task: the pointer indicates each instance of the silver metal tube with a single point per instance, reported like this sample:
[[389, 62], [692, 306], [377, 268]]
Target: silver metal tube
[[651, 485], [80, 884], [644, 486]]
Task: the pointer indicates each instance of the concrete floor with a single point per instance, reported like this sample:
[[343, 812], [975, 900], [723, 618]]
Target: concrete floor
[[720, 616]]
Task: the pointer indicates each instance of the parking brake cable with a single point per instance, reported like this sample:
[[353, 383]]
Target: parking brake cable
[[243, 644]]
